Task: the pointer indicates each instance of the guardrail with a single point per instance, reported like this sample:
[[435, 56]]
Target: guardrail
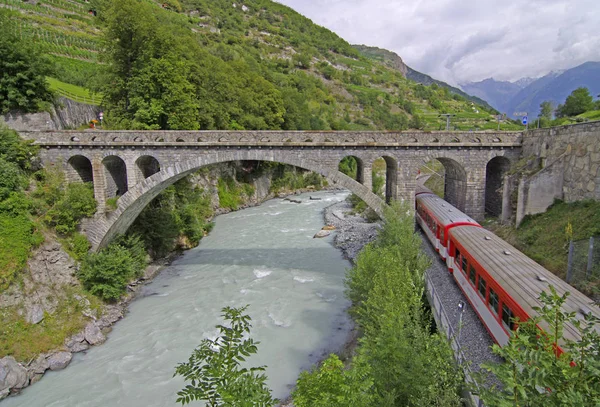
[[443, 323], [91, 100]]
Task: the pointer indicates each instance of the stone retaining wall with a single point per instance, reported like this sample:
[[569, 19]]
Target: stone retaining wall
[[569, 158]]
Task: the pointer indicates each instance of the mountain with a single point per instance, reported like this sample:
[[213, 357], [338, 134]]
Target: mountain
[[526, 94], [555, 87], [394, 61], [256, 65], [384, 56], [496, 93]]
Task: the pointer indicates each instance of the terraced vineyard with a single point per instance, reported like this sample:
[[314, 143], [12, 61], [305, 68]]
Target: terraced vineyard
[[66, 31]]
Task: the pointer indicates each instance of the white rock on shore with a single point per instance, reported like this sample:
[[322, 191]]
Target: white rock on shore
[[353, 232]]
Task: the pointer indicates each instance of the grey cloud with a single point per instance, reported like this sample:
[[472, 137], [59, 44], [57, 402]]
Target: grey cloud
[[473, 44], [463, 40]]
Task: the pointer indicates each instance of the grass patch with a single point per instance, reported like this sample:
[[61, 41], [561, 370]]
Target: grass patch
[[25, 341], [74, 92], [543, 237]]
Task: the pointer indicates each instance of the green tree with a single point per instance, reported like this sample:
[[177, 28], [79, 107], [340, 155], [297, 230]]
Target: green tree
[[579, 101], [23, 71], [534, 375], [332, 385], [546, 110], [215, 372]]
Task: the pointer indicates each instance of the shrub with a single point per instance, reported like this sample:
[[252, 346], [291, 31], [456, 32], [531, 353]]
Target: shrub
[[12, 178], [77, 203], [78, 245], [111, 203], [107, 273], [17, 237]]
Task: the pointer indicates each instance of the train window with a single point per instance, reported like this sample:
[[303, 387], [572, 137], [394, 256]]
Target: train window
[[493, 301], [457, 254], [482, 286], [507, 317], [464, 264], [435, 228], [442, 234], [472, 274]]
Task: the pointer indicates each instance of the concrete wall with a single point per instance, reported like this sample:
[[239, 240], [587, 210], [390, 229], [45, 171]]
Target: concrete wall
[[538, 192]]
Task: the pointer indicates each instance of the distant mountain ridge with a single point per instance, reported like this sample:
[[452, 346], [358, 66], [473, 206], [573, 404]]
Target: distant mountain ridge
[[393, 60], [526, 94]]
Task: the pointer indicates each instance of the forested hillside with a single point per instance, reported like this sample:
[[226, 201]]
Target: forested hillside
[[198, 64]]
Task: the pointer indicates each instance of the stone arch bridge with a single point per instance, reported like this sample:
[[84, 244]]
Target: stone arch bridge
[[137, 165]]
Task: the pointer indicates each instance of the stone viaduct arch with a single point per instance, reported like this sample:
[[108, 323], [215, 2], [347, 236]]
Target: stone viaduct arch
[[137, 165], [135, 200]]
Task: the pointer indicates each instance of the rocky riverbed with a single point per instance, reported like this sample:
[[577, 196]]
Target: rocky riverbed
[[353, 231]]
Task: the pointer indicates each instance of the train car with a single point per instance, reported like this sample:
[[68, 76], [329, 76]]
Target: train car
[[501, 283], [436, 217]]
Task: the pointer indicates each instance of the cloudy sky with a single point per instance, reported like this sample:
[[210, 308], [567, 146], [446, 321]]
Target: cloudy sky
[[468, 40]]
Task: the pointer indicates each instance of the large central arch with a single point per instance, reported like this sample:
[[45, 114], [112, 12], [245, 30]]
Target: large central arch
[[106, 227]]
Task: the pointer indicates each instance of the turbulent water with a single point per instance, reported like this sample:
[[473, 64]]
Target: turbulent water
[[264, 256]]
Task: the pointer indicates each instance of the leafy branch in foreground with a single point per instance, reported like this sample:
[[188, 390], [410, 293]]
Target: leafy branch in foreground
[[533, 374], [214, 368]]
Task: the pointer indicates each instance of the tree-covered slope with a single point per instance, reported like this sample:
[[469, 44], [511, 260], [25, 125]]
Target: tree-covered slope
[[222, 65]]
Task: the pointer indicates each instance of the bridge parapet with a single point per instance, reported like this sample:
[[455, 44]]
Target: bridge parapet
[[279, 138]]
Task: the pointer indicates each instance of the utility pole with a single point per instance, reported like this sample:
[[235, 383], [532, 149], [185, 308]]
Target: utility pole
[[447, 116]]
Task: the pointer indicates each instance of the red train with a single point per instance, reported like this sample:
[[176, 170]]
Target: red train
[[500, 282]]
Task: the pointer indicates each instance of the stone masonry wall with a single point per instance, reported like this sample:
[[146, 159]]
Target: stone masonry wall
[[577, 148], [66, 114]]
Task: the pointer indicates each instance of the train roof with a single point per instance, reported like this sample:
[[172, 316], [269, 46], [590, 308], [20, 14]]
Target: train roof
[[521, 277], [445, 213]]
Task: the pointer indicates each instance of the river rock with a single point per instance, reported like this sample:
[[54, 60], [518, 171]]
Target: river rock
[[77, 343], [40, 365], [322, 233], [35, 314], [59, 361], [77, 338], [34, 379], [93, 334], [4, 394], [111, 315], [328, 227], [13, 376]]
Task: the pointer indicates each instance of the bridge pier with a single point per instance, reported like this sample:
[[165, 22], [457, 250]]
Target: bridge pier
[[366, 178], [99, 184], [406, 182], [132, 173]]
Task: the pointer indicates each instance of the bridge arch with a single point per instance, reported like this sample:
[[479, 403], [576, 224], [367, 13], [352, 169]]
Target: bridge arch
[[455, 178], [79, 169], [390, 176], [351, 165], [115, 172], [147, 166], [495, 171], [106, 227]]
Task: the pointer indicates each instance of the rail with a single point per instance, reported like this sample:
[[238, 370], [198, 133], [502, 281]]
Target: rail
[[443, 323]]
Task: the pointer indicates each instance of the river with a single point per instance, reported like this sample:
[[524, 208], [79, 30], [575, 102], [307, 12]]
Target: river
[[263, 256]]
